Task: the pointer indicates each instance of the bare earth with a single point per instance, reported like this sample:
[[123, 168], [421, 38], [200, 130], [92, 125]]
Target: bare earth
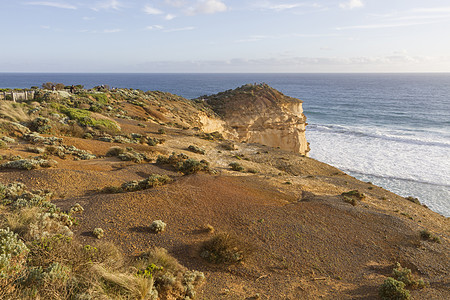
[[308, 243]]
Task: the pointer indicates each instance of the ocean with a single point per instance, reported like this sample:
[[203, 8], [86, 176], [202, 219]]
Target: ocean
[[390, 129]]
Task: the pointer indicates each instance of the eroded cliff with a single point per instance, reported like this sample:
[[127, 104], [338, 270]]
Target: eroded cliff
[[261, 114]]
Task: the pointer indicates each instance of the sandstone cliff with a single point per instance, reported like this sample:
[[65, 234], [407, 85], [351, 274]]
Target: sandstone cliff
[[261, 114]]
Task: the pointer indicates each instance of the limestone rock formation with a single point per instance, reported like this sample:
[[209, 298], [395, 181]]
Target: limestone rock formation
[[261, 114]]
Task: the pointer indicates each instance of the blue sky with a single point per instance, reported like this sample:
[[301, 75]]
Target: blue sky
[[225, 36]]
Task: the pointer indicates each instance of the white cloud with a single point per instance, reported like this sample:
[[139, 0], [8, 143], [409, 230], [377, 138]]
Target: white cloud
[[52, 4], [351, 4], [154, 27], [207, 7], [286, 6], [180, 29], [112, 30], [152, 11], [109, 4], [169, 17]]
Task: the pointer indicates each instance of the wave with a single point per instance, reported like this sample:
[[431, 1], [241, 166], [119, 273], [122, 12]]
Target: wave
[[359, 173], [359, 133]]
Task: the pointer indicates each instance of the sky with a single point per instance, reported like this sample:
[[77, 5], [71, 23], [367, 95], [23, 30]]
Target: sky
[[220, 36]]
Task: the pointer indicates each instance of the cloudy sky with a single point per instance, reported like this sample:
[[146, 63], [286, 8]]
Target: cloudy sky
[[225, 36]]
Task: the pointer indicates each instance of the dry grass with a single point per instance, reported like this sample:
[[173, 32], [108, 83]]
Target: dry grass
[[14, 112]]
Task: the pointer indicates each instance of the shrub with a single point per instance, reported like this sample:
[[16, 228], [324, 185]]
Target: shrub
[[161, 131], [213, 136], [413, 200], [13, 253], [225, 248], [28, 164], [428, 236], [392, 289], [153, 180], [236, 167], [191, 166], [154, 141], [98, 233], [171, 280], [352, 201], [404, 275], [83, 117], [100, 97], [158, 226], [76, 208], [353, 196], [196, 149], [41, 125]]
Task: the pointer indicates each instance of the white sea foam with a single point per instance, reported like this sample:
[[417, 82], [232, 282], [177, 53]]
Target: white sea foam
[[408, 165]]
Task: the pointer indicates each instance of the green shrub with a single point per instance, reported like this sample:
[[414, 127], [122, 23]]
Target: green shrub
[[404, 275], [98, 233], [352, 201], [171, 280], [153, 180], [191, 166], [13, 253], [41, 125], [196, 149], [161, 131], [392, 289], [413, 200], [236, 167], [428, 236], [225, 248], [158, 226], [213, 136], [100, 97], [83, 117]]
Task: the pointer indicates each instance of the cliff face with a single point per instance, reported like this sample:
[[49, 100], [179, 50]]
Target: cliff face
[[261, 114]]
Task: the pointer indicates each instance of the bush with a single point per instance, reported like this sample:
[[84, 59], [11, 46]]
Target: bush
[[392, 289], [413, 200], [236, 167], [153, 180], [28, 164], [13, 253], [352, 201], [225, 248], [353, 196], [404, 275], [171, 280], [191, 166], [428, 236], [158, 226], [98, 233], [41, 125], [196, 149]]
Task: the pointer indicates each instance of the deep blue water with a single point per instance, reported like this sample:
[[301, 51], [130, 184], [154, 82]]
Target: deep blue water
[[390, 129]]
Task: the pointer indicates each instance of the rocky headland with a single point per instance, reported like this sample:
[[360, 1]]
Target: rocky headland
[[125, 194]]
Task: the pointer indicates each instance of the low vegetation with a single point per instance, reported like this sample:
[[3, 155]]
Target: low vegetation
[[225, 248], [152, 181], [39, 261], [395, 287], [428, 236], [184, 164]]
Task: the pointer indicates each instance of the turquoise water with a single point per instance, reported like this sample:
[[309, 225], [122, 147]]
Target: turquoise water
[[390, 129]]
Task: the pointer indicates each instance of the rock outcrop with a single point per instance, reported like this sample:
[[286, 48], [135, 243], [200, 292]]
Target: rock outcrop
[[261, 114]]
